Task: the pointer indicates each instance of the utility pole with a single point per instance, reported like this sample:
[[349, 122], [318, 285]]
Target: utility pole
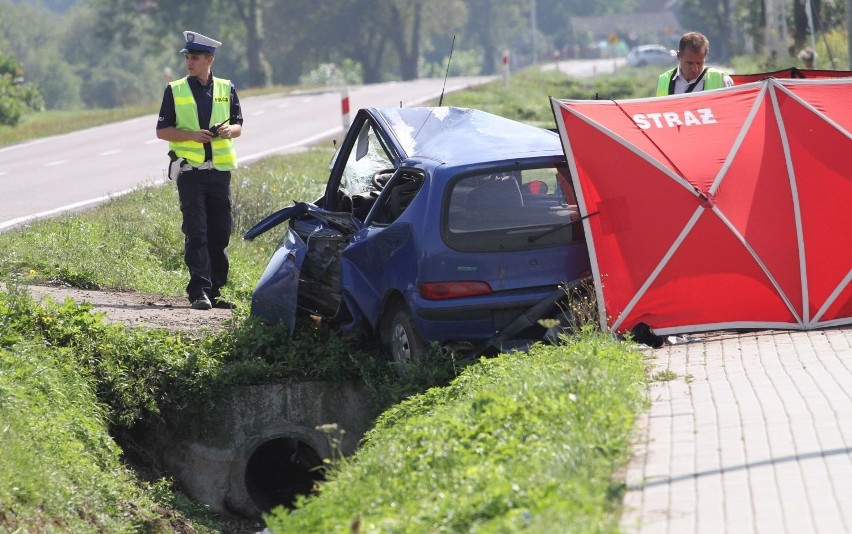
[[534, 29]]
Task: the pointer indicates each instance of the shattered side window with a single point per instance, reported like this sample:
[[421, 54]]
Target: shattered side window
[[367, 157]]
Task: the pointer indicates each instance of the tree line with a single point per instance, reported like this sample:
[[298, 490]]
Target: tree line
[[113, 53]]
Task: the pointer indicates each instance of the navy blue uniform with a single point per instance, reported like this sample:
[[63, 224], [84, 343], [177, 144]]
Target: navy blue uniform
[[205, 200]]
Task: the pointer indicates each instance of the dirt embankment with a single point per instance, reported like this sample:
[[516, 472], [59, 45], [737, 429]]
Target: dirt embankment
[[138, 309]]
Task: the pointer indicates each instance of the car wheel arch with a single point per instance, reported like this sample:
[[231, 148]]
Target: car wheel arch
[[392, 299], [399, 340]]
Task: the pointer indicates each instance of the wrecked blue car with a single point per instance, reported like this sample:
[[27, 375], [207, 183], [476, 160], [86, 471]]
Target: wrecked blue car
[[438, 225]]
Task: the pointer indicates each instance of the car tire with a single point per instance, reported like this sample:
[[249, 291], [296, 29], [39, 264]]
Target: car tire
[[400, 340]]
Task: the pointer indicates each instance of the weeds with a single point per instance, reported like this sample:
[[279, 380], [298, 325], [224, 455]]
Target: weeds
[[666, 375]]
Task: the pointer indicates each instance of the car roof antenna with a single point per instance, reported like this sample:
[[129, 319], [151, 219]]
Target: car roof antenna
[[452, 46]]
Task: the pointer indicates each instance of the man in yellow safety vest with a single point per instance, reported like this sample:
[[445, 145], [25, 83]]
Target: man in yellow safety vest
[[199, 117], [691, 74]]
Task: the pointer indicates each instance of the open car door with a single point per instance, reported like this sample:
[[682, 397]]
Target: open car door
[[304, 272]]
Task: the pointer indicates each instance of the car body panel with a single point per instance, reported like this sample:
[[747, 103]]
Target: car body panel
[[276, 293]]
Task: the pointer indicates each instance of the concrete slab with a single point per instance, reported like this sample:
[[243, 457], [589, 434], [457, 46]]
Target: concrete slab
[[754, 435]]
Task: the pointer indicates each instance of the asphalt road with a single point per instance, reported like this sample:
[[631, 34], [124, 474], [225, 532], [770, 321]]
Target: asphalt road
[[585, 68], [49, 176]]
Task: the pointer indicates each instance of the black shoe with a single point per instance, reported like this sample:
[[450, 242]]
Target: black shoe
[[219, 302], [201, 303]]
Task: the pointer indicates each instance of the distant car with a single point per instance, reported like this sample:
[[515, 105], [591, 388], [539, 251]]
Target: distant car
[[443, 224], [652, 54]]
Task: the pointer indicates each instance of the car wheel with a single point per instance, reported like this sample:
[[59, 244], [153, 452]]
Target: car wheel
[[400, 340]]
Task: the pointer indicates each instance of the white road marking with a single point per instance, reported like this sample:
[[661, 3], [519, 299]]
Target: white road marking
[[297, 144], [55, 163], [64, 209], [22, 145], [110, 152]]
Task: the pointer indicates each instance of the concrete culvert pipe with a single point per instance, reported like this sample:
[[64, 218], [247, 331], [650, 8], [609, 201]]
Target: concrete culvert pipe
[[257, 446], [281, 469]]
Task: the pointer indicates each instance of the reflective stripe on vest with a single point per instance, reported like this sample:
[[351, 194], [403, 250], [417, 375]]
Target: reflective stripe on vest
[[224, 155], [713, 79]]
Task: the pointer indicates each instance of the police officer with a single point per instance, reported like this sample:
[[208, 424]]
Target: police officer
[[199, 117], [691, 74]]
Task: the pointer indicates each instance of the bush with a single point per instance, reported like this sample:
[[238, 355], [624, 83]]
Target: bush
[[16, 95]]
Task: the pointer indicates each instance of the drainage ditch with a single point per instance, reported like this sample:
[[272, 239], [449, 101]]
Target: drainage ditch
[[258, 447]]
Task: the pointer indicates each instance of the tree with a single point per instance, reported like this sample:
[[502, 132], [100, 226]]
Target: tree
[[407, 20], [58, 81], [130, 23], [713, 18], [413, 23], [258, 69], [16, 95], [114, 74], [554, 17], [32, 36], [334, 31], [491, 26]]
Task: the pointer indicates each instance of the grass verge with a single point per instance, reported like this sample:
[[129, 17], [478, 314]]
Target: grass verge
[[60, 468], [135, 241], [526, 440]]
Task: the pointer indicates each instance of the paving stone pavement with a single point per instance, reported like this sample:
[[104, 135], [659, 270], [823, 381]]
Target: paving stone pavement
[[753, 435]]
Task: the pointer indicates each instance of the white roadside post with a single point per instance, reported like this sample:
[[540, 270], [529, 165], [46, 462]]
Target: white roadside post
[[344, 107], [505, 69]]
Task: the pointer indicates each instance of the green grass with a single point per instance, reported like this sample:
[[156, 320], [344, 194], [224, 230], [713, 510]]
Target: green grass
[[47, 123], [521, 441], [666, 375], [525, 442], [135, 241], [60, 469], [526, 96]]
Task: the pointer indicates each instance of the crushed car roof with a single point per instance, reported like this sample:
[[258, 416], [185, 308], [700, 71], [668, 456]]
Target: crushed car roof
[[465, 136]]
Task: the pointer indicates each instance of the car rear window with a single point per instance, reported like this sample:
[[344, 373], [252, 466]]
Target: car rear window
[[517, 210]]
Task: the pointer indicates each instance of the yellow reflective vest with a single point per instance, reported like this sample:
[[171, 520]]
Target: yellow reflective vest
[[713, 79], [224, 155]]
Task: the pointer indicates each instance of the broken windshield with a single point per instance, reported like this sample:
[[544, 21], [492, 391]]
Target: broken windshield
[[367, 157]]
